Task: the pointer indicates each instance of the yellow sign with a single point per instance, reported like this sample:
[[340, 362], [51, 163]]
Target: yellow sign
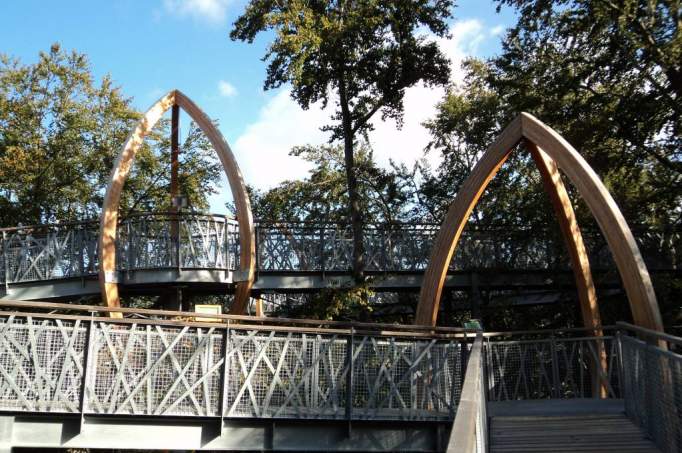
[[208, 309]]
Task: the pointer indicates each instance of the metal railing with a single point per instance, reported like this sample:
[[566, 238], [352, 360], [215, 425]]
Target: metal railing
[[241, 367], [469, 432], [556, 364], [198, 241], [652, 387]]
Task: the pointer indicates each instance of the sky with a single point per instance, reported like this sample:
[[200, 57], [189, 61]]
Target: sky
[[153, 46]]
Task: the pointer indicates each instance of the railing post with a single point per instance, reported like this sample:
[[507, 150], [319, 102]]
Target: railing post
[[555, 368], [323, 261], [350, 345], [621, 370], [87, 366], [5, 260], [224, 378], [258, 229]]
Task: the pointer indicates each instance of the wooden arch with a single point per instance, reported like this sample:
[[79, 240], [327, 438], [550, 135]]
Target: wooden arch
[[551, 152], [109, 221]]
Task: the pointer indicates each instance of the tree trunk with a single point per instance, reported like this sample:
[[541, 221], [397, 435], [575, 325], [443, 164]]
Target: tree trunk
[[351, 178]]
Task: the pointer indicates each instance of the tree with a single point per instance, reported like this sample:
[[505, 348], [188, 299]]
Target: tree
[[384, 196], [604, 75], [362, 54], [59, 135]]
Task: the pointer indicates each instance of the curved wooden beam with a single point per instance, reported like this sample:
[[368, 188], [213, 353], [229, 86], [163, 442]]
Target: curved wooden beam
[[109, 221], [573, 238], [631, 267]]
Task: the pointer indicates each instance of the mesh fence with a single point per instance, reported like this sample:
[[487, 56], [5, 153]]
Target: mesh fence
[[142, 369], [553, 368], [653, 394], [41, 364], [153, 370]]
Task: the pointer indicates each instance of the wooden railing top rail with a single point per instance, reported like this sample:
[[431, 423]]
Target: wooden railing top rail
[[463, 433], [345, 327]]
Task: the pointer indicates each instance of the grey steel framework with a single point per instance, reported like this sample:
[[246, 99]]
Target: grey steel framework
[[281, 383], [99, 366], [289, 256]]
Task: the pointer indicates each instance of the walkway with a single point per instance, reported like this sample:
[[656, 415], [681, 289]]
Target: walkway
[[565, 426], [201, 252], [157, 380]]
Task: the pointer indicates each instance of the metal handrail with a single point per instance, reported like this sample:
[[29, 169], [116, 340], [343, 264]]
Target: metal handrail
[[469, 430], [652, 334]]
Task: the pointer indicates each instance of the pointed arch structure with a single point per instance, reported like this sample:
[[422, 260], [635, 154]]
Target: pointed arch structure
[[109, 221], [551, 152]]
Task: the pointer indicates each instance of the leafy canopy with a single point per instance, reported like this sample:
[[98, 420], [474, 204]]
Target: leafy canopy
[[373, 49], [59, 135]]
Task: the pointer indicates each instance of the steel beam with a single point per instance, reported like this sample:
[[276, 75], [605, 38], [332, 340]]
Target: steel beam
[[33, 431]]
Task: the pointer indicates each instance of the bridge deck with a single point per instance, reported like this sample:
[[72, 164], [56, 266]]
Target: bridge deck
[[585, 425]]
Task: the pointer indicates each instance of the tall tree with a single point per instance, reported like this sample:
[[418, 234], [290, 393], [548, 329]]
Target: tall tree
[[384, 195], [59, 135], [363, 54], [603, 73]]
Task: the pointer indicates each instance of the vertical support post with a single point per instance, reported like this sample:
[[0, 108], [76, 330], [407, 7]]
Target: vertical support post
[[175, 151], [5, 260], [555, 367], [622, 385], [350, 346], [224, 377], [174, 183], [257, 237], [464, 357], [87, 367], [322, 257]]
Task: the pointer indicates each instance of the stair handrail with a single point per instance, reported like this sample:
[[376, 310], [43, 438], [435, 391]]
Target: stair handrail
[[470, 429]]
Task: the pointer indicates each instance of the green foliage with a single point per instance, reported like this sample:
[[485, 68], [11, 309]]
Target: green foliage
[[604, 74], [384, 194], [370, 49], [59, 135], [364, 54], [352, 303]]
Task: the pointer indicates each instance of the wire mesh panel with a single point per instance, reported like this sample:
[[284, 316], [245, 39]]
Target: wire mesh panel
[[286, 375], [154, 370], [395, 379], [41, 364], [297, 375], [50, 253], [553, 368], [652, 390], [207, 242]]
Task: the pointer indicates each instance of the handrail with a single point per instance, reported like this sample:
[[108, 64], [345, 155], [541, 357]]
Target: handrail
[[380, 328], [471, 408], [650, 333]]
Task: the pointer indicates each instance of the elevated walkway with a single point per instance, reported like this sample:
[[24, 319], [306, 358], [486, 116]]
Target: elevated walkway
[[580, 425], [201, 253], [71, 376]]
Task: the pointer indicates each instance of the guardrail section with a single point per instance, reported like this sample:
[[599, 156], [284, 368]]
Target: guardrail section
[[61, 363]]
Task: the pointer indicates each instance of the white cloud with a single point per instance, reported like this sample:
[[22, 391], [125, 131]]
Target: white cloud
[[495, 31], [263, 149], [226, 89], [212, 11]]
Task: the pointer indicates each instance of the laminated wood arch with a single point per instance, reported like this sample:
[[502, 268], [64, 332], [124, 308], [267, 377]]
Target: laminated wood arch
[[109, 220], [551, 152]]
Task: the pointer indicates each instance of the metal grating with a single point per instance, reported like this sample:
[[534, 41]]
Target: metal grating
[[553, 368], [653, 394], [154, 370], [41, 364]]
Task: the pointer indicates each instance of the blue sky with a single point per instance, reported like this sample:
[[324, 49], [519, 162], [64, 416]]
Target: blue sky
[[149, 47]]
